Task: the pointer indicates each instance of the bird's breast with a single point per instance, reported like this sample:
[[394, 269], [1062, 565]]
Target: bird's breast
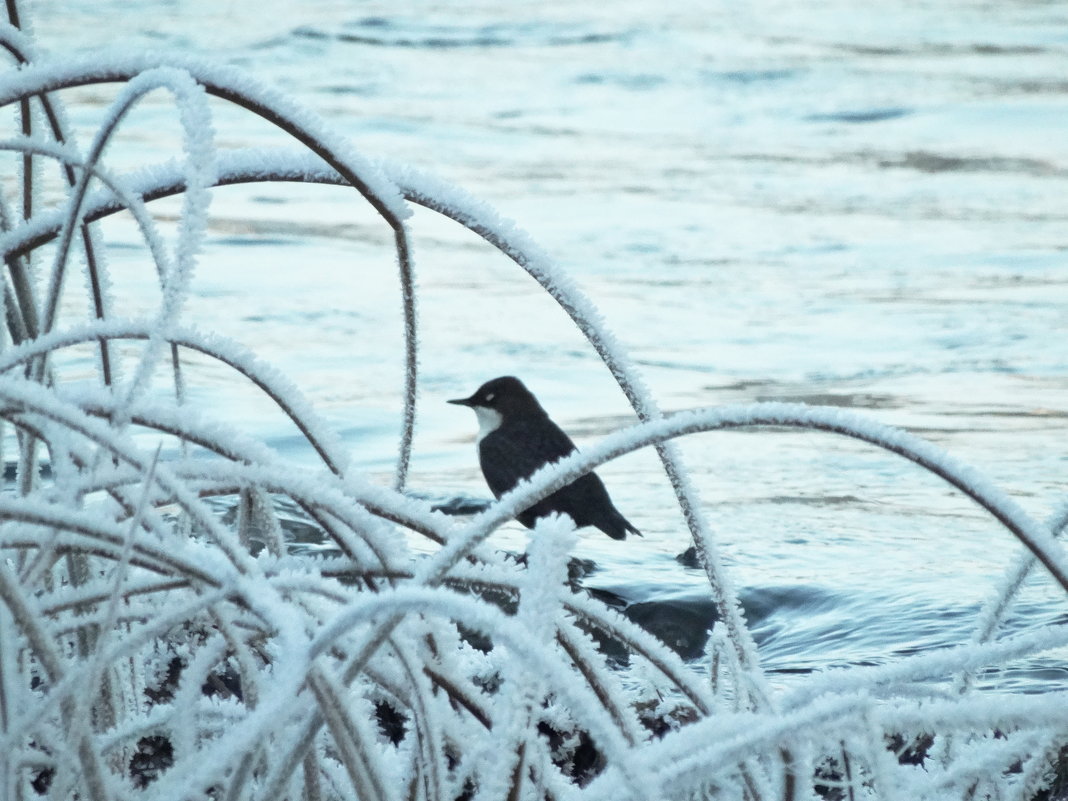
[[489, 420]]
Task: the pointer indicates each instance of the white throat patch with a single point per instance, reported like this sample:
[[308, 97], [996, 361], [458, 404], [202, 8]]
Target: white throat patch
[[489, 420]]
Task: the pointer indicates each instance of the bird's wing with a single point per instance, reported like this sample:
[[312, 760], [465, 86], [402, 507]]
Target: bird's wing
[[517, 449]]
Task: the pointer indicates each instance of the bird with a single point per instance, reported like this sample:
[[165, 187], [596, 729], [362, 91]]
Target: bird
[[516, 438]]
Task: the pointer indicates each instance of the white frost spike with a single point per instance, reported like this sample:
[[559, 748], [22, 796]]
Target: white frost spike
[[545, 579]]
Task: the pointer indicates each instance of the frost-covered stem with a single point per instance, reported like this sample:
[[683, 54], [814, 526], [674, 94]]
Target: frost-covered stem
[[26, 117], [49, 659], [21, 312], [411, 358], [179, 376], [847, 770], [789, 779], [995, 608], [21, 318], [262, 519], [113, 489], [583, 314], [26, 120], [592, 613], [242, 655], [16, 326], [237, 782], [389, 613], [13, 13], [98, 635], [302, 741], [153, 587], [312, 789], [516, 782], [12, 39], [100, 540], [198, 146], [243, 523], [787, 415], [641, 642], [431, 739], [359, 519], [243, 94], [26, 471], [22, 286], [286, 398], [77, 199], [460, 696], [567, 640], [1034, 776], [9, 692], [752, 792], [44, 404], [993, 611], [329, 696], [681, 759], [210, 443]]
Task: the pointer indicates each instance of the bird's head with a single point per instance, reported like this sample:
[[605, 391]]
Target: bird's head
[[502, 398]]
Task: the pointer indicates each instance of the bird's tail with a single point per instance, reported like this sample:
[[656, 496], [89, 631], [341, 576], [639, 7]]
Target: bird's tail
[[618, 527]]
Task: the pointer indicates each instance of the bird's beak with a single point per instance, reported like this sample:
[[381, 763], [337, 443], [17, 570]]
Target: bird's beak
[[463, 401]]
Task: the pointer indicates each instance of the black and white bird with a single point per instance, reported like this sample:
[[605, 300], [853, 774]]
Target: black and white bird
[[516, 438]]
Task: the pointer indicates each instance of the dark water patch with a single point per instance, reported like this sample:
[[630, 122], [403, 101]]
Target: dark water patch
[[11, 470], [817, 500], [346, 90], [780, 158], [631, 81], [860, 116], [803, 628], [126, 246], [305, 32], [741, 386], [986, 49], [1013, 414], [252, 241], [1031, 680], [747, 77], [933, 163], [681, 618], [1026, 87], [942, 49], [763, 603], [681, 623], [416, 34], [455, 504], [673, 364], [859, 400]]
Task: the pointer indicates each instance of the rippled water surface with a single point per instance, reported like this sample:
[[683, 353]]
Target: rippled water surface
[[850, 204]]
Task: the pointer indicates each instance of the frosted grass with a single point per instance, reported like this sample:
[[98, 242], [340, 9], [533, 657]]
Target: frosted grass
[[146, 645]]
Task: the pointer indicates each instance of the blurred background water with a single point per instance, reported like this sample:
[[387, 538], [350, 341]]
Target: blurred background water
[[848, 204]]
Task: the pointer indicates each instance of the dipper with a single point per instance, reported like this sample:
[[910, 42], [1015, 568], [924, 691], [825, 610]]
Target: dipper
[[516, 438]]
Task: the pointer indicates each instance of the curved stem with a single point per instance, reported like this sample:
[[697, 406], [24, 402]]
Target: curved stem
[[12, 40], [298, 123]]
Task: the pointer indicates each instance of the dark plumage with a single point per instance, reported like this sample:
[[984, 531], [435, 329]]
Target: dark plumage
[[516, 438]]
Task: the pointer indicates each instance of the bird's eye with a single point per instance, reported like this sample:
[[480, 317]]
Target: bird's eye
[[490, 397]]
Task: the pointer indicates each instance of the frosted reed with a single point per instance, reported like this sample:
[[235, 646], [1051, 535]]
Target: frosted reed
[[148, 644]]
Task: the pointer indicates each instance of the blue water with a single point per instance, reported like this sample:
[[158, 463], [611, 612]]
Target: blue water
[[853, 204]]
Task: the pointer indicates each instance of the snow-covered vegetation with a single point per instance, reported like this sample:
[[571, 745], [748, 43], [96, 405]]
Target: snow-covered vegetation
[[150, 645]]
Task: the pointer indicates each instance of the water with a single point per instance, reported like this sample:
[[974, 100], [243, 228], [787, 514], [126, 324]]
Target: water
[[863, 206]]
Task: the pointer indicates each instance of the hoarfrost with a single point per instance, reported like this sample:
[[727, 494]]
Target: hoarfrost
[[129, 610]]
